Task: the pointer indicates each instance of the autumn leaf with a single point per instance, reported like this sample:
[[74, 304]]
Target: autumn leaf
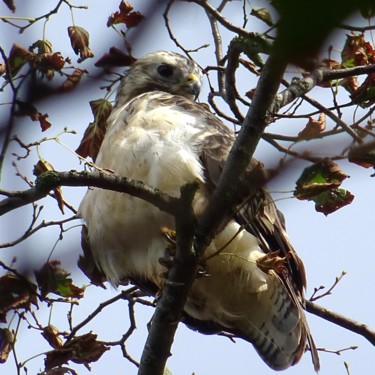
[[79, 39], [15, 293], [6, 343], [320, 183], [94, 134], [51, 278], [115, 57], [357, 52], [27, 109], [81, 349], [49, 60], [42, 46], [44, 166], [350, 84], [363, 155], [329, 202], [263, 14], [313, 128], [125, 15], [72, 80], [18, 57]]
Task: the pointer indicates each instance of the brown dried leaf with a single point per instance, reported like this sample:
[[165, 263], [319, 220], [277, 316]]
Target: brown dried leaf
[[350, 84], [49, 60], [44, 166], [51, 334], [94, 134], [10, 5], [363, 155], [15, 293], [51, 278], [86, 262], [115, 57], [125, 16], [27, 109], [72, 80], [262, 14], [250, 94], [18, 57], [3, 69], [313, 128], [79, 39], [82, 349], [6, 343]]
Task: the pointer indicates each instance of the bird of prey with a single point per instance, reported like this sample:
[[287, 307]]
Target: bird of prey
[[158, 134]]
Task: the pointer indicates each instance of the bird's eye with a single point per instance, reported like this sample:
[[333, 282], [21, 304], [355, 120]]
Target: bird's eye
[[165, 70]]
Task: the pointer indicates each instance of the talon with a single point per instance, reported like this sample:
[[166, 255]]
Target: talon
[[169, 234]]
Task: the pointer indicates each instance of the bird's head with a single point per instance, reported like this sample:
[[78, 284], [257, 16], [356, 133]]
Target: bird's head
[[163, 71]]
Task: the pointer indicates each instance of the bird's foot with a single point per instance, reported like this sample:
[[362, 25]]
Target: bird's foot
[[272, 262]]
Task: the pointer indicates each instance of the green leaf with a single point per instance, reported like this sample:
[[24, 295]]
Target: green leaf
[[51, 278], [320, 183]]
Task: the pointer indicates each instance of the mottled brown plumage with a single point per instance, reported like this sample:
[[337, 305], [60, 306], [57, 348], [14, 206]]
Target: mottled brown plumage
[[157, 134]]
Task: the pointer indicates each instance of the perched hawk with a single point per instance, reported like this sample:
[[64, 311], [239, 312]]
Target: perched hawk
[[158, 134]]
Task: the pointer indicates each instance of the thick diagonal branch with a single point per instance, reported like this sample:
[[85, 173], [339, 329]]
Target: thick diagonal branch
[[258, 117]]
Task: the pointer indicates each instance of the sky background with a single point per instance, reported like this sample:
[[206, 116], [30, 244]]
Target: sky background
[[327, 245]]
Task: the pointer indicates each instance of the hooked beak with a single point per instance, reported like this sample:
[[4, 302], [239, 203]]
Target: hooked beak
[[193, 86]]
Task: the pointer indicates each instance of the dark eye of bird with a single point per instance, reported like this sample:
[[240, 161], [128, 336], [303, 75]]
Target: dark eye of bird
[[165, 70]]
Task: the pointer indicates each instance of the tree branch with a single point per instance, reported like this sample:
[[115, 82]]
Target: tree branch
[[301, 87], [174, 294], [50, 180], [342, 321], [257, 118]]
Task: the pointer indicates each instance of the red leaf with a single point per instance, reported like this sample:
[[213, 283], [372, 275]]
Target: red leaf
[[125, 16], [357, 52], [27, 109]]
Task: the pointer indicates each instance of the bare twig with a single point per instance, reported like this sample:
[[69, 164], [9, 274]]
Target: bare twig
[[125, 294], [221, 19], [314, 297]]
